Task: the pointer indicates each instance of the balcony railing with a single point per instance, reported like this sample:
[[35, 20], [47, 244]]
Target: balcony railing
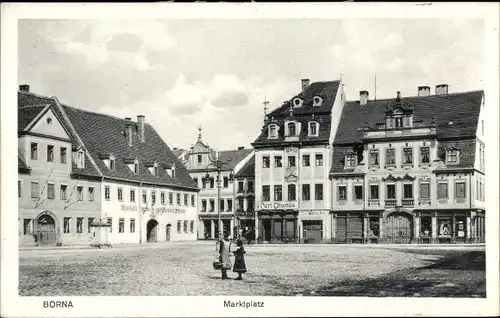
[[390, 202], [408, 202]]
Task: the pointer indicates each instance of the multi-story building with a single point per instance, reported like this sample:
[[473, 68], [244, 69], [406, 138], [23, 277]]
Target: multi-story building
[[292, 162], [58, 201], [140, 190], [219, 186], [245, 199], [410, 170]]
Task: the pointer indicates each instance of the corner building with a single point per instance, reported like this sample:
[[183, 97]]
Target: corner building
[[292, 161], [410, 170]]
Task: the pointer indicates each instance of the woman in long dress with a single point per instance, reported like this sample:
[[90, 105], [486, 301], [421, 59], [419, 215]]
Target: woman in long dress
[[224, 250], [239, 260]]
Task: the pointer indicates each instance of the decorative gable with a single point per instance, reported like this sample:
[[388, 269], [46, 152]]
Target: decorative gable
[[48, 124]]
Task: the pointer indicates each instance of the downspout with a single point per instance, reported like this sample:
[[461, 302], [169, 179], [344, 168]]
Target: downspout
[[139, 197], [470, 207], [364, 210]]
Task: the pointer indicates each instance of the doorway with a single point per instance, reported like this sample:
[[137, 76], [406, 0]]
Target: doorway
[[266, 225], [152, 231], [313, 231], [399, 228], [46, 230], [169, 226]]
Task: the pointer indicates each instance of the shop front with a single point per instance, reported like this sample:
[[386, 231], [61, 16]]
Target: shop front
[[348, 227], [314, 226], [209, 229], [278, 223]]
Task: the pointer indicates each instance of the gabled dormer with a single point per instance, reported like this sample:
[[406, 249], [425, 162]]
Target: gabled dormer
[[313, 128], [317, 101], [452, 156], [109, 160], [133, 164], [79, 157], [350, 160], [292, 128], [170, 170], [399, 115], [272, 129], [153, 168]]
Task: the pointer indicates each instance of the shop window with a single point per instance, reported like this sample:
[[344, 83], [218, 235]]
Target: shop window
[[444, 227], [391, 191], [358, 192], [306, 192], [424, 190], [426, 226], [460, 227], [374, 157], [306, 160], [374, 192], [374, 226], [424, 155], [342, 193], [292, 192], [266, 193], [278, 163], [460, 189], [442, 191], [266, 161], [318, 192], [278, 193], [132, 225]]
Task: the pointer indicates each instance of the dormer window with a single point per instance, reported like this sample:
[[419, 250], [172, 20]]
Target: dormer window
[[317, 101], [136, 167], [313, 128], [155, 170], [273, 131], [171, 171], [350, 160], [292, 129], [297, 102], [398, 122], [112, 163], [452, 156], [80, 159]]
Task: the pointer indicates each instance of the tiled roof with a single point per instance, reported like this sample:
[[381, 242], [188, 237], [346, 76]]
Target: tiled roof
[[232, 157], [248, 170], [102, 133], [338, 158], [467, 151], [178, 152], [21, 165], [459, 109], [26, 114]]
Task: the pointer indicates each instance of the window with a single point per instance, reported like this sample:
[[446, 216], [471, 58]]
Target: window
[[318, 191], [250, 204], [477, 190], [212, 205], [28, 226], [482, 127], [136, 167], [250, 187], [374, 192], [79, 225], [399, 122], [66, 225], [153, 197], [186, 199], [162, 198], [112, 164], [80, 160], [391, 191], [424, 155], [374, 155], [425, 190], [278, 193], [350, 160], [90, 221], [178, 199], [34, 151], [460, 190], [185, 227], [191, 227], [50, 153], [192, 200], [121, 225], [178, 226], [241, 204], [155, 169], [442, 190], [107, 193], [407, 191], [266, 193], [390, 157], [291, 129], [110, 222], [292, 192], [195, 180], [452, 156], [79, 193], [132, 225], [273, 131], [226, 182], [35, 190], [19, 189], [170, 198], [91, 193], [199, 159], [144, 196], [212, 183], [358, 192], [63, 155], [203, 205], [407, 156], [132, 195], [306, 160], [278, 161], [120, 194], [229, 205], [50, 191], [342, 193], [306, 192], [313, 129], [266, 162], [319, 160], [240, 186], [291, 161]]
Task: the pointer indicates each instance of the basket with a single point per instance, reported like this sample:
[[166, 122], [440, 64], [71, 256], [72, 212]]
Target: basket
[[217, 264]]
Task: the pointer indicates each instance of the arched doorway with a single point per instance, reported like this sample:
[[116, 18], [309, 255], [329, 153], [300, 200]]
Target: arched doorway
[[46, 230], [152, 231], [399, 228]]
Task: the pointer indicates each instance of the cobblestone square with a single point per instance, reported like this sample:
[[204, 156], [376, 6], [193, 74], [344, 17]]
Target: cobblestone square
[[183, 269]]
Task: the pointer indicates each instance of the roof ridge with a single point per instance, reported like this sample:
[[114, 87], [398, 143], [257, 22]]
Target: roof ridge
[[96, 113], [33, 106], [36, 95], [416, 96]]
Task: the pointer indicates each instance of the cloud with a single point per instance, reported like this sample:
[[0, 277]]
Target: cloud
[[229, 99], [124, 42]]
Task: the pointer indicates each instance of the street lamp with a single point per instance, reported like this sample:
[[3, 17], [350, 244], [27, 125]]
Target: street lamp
[[217, 164]]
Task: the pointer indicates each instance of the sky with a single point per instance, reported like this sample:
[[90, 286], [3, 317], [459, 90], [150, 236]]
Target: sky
[[183, 74]]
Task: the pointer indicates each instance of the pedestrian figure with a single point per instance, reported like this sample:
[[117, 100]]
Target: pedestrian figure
[[224, 250], [239, 259]]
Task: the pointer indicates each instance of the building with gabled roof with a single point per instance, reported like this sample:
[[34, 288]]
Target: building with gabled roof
[[216, 184], [292, 161], [144, 189], [410, 169]]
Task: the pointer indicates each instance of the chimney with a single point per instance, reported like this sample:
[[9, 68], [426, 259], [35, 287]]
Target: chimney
[[130, 130], [363, 97], [24, 88], [442, 89], [141, 121], [241, 148], [305, 83], [424, 90]]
